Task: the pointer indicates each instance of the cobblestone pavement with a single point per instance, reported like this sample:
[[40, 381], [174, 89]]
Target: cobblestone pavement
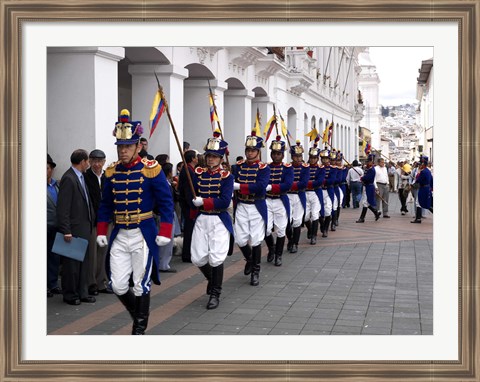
[[370, 278]]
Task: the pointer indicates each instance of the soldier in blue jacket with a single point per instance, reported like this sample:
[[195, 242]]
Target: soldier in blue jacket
[[425, 181], [251, 181], [296, 196], [313, 194], [327, 192], [278, 204], [213, 225], [133, 187], [368, 197]]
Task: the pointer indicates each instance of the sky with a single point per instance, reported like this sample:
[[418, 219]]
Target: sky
[[397, 68]]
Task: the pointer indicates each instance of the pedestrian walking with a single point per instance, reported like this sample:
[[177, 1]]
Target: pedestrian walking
[[404, 187], [251, 181], [296, 196], [368, 201], [133, 188], [383, 186], [213, 225], [425, 181], [278, 204], [353, 180]]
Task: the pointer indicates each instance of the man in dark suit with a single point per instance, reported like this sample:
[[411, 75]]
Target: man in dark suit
[[75, 219], [189, 211], [94, 178]]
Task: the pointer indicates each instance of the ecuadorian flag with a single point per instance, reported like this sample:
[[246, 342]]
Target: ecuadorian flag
[[158, 107]]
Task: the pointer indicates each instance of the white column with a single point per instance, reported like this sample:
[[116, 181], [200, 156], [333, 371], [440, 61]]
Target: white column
[[144, 88], [198, 127], [238, 120], [81, 101]]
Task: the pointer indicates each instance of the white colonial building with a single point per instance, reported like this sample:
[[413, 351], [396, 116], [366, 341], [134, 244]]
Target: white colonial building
[[425, 107], [88, 86]]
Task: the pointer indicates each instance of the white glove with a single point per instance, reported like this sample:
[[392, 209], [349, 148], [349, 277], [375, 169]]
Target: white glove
[[198, 201], [162, 240], [102, 241], [236, 186], [269, 188]]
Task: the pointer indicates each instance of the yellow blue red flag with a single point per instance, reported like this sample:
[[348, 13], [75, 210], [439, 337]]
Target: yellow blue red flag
[[158, 107]]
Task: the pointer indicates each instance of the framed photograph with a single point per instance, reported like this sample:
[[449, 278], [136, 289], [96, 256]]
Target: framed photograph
[[451, 27]]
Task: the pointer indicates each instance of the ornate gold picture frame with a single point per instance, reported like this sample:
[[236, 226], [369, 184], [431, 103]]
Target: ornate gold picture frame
[[13, 14]]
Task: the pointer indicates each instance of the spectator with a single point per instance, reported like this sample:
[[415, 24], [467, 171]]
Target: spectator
[[94, 178], [186, 147], [144, 151], [382, 181], [75, 219], [185, 198], [53, 260], [354, 182], [166, 251], [162, 159], [404, 187]]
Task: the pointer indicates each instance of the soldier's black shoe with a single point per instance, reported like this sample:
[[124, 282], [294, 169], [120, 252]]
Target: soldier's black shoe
[[313, 240], [294, 248], [213, 302]]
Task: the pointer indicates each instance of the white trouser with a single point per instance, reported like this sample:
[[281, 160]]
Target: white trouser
[[129, 253], [249, 225], [210, 241], [340, 192], [364, 200], [277, 215], [313, 206], [296, 210], [327, 203]]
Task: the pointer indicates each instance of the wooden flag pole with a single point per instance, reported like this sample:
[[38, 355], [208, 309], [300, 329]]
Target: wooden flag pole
[[167, 109]]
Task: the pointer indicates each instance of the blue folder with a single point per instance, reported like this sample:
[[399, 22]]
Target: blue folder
[[75, 249]]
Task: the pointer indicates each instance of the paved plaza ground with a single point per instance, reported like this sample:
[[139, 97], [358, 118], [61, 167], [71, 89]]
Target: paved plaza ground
[[370, 278]]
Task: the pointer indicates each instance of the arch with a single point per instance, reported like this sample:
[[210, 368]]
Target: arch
[[199, 71], [259, 92], [234, 83]]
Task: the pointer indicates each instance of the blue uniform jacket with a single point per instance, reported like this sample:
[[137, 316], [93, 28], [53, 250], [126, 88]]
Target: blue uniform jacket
[[128, 199], [281, 179], [253, 179], [301, 175], [216, 189], [425, 180], [368, 179]]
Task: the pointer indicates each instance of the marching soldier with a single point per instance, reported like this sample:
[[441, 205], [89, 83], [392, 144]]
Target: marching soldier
[[340, 189], [314, 197], [369, 196], [213, 226], [251, 213], [327, 192], [425, 180], [336, 182], [297, 197], [278, 204], [133, 187]]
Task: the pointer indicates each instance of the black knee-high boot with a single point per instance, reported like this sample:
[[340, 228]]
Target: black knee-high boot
[[207, 272], [321, 224], [128, 301], [217, 279], [333, 220], [375, 212], [271, 248], [418, 215], [289, 235], [247, 253], [338, 216], [279, 250], [308, 224], [142, 311], [362, 215], [256, 257], [313, 239], [326, 225], [296, 238]]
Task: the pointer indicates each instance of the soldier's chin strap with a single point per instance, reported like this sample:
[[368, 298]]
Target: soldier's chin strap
[[135, 154]]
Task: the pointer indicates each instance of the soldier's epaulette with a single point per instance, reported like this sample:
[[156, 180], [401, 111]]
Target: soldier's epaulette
[[287, 164], [262, 165], [151, 168], [224, 174], [110, 170], [241, 161], [199, 170], [305, 165]]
